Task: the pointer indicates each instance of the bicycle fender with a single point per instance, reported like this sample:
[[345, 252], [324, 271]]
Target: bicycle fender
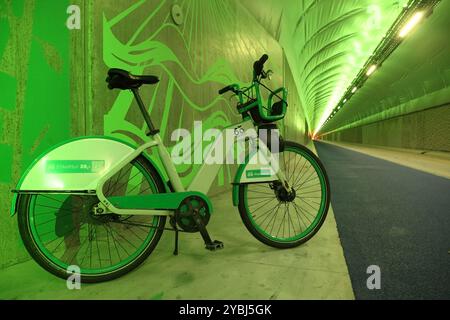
[[75, 165], [252, 171]]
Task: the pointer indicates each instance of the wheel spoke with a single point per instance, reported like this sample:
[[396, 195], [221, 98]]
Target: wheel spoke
[[253, 191], [305, 211]]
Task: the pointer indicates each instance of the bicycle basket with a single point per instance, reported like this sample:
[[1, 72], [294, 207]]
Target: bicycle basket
[[259, 113], [277, 106]]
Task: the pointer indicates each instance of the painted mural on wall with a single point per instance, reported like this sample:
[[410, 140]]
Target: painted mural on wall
[[42, 98], [177, 54]]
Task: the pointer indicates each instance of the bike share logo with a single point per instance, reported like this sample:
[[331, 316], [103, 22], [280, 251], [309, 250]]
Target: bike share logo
[[225, 147]]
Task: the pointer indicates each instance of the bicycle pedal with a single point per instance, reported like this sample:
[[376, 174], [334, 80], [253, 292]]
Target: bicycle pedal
[[215, 245]]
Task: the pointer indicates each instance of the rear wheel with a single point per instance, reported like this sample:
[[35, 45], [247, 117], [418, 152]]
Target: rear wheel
[[283, 220], [60, 230]]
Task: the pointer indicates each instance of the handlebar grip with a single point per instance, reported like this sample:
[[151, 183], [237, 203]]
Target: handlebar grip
[[258, 66], [226, 89], [263, 59]]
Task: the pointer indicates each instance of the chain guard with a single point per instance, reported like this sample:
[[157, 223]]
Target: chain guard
[[184, 214]]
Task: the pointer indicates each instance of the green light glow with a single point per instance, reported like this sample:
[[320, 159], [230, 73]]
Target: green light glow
[[326, 42], [415, 77], [371, 70], [411, 24]]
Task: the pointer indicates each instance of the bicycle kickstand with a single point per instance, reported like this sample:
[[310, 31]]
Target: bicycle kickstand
[[174, 226]]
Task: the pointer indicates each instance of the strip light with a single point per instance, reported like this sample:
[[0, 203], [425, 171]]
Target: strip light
[[416, 18], [371, 69]]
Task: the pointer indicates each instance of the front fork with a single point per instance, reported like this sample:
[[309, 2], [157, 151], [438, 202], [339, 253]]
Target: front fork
[[273, 161], [283, 180]]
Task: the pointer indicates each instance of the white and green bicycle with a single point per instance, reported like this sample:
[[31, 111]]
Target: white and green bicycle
[[101, 204]]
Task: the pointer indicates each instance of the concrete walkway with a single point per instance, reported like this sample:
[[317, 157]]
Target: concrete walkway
[[244, 269]]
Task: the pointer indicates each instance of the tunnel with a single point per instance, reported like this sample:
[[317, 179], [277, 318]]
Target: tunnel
[[363, 102]]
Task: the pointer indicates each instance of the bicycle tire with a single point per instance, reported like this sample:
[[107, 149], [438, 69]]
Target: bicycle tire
[[289, 242], [49, 264]]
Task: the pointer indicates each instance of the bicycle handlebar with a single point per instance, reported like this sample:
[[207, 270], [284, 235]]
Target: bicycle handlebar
[[258, 66], [225, 89], [263, 58]]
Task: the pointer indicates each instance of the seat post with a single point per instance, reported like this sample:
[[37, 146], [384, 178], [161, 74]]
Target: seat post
[[144, 112]]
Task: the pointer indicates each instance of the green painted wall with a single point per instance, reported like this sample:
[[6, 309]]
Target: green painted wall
[[53, 80], [35, 97]]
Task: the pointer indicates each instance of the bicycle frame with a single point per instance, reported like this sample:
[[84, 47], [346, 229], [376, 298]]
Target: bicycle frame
[[203, 180], [37, 181], [110, 180]]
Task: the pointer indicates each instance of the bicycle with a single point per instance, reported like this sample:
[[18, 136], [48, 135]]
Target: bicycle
[[101, 204]]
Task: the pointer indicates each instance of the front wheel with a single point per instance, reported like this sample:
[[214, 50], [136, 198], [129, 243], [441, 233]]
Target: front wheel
[[284, 220], [63, 235]]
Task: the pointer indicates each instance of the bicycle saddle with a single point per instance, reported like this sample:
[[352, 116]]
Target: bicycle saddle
[[121, 79]]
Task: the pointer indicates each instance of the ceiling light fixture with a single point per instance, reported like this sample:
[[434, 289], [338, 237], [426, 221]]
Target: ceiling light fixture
[[415, 19], [371, 70]]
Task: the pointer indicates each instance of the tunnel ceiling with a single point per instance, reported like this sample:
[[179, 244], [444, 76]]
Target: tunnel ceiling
[[415, 77], [326, 43]]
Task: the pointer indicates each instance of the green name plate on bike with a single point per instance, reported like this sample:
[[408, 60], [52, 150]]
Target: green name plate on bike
[[259, 173], [74, 166]]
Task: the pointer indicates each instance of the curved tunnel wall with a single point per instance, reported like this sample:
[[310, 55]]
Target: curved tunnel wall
[[327, 44], [406, 102]]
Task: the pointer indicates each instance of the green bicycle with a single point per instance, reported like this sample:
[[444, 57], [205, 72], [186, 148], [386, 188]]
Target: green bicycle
[[101, 204]]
